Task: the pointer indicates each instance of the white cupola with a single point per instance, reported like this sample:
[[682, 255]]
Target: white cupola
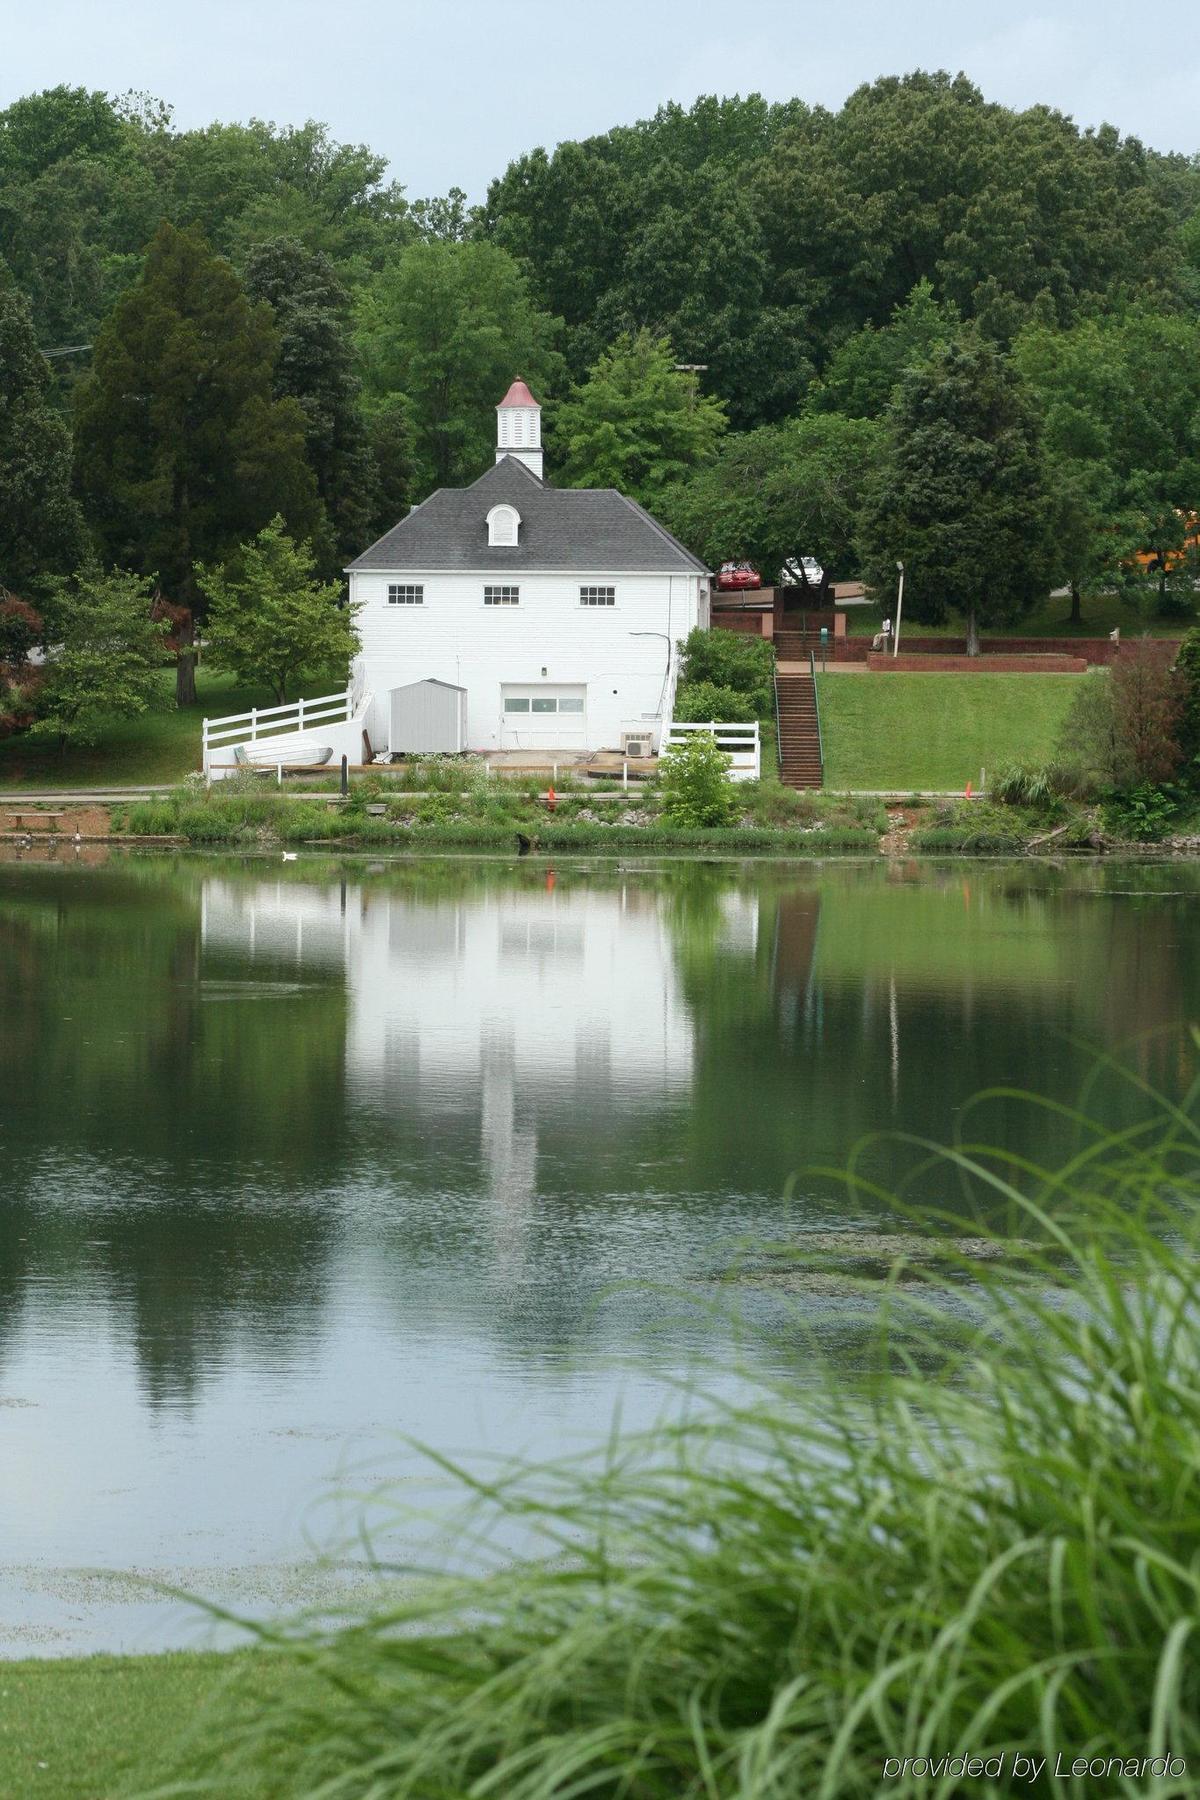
[[519, 427]]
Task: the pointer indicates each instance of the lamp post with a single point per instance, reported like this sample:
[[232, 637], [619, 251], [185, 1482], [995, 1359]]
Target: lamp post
[[899, 610]]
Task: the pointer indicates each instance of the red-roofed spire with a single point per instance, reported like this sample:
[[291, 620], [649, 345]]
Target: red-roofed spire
[[518, 395]]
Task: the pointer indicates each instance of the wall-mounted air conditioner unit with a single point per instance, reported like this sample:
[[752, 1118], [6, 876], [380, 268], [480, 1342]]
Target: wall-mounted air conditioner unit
[[637, 743]]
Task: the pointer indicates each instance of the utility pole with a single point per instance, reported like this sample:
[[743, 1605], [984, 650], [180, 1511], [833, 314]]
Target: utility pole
[[695, 370]]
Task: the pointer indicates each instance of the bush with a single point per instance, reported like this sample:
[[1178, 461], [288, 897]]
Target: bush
[[694, 783], [1089, 734], [731, 659], [973, 828], [701, 702], [1018, 784], [1144, 814], [987, 1541]]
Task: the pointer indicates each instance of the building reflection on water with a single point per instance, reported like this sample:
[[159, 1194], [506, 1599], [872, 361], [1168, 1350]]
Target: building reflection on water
[[495, 1090]]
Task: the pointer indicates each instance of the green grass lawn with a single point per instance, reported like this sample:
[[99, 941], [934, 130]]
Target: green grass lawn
[[157, 747], [107, 1726], [1052, 619], [937, 731]]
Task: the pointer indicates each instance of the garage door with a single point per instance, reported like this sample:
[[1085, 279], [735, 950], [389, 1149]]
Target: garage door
[[538, 716]]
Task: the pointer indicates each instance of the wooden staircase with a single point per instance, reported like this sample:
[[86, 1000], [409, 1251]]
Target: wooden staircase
[[800, 763]]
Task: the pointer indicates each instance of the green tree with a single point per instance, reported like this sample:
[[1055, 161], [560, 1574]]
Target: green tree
[[109, 661], [242, 185], [79, 196], [314, 366], [447, 326], [961, 493], [637, 423], [863, 371], [780, 491], [270, 620], [1008, 214], [1149, 711], [390, 440], [182, 448], [1120, 399], [41, 527]]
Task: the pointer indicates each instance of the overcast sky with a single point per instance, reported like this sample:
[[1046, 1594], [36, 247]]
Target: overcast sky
[[451, 91]]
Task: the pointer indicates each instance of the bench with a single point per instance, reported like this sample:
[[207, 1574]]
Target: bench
[[24, 821]]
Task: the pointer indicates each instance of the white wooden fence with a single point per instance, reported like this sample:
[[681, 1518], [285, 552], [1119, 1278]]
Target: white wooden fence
[[739, 742], [222, 736]]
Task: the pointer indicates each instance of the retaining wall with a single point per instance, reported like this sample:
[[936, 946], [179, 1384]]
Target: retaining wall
[[987, 664], [1096, 652]]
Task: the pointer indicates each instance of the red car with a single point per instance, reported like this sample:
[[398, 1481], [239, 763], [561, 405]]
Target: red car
[[738, 575]]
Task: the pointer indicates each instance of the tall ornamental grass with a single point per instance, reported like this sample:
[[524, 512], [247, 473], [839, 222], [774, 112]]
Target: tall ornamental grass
[[985, 1546]]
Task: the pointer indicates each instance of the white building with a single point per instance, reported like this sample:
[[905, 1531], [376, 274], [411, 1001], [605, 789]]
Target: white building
[[511, 615]]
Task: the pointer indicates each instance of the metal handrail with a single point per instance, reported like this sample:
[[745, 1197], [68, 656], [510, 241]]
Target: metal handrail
[[812, 666], [778, 726]]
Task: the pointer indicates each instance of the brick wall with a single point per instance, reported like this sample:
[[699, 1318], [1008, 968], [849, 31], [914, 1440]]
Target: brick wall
[[1094, 651], [919, 664], [757, 624]]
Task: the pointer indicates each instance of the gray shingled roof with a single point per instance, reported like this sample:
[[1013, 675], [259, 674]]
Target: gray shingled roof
[[589, 529]]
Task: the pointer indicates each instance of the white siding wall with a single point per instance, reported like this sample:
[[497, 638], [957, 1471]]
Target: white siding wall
[[456, 638]]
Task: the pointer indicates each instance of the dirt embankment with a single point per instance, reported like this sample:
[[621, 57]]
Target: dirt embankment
[[70, 821]]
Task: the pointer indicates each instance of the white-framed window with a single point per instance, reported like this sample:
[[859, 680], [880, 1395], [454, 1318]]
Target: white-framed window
[[501, 596], [405, 593], [597, 596], [504, 527], [542, 703]]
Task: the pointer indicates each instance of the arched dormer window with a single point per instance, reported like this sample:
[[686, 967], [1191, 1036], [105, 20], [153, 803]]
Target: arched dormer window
[[504, 524]]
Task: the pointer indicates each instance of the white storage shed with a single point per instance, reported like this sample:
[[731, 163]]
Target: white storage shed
[[427, 716]]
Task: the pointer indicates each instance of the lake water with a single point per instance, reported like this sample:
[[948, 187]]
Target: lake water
[[301, 1161]]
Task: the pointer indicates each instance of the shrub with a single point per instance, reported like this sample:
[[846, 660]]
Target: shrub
[[702, 702], [435, 809], [730, 659], [1144, 813], [1089, 734], [694, 783], [973, 828]]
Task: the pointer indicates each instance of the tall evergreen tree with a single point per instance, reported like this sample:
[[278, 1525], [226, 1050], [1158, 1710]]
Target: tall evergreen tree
[[961, 495], [315, 366], [41, 526], [183, 450]]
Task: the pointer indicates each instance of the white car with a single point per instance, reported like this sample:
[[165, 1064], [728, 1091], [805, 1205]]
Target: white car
[[801, 571]]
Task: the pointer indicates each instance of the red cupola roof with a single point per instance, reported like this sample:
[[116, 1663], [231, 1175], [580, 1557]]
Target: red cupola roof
[[518, 395]]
